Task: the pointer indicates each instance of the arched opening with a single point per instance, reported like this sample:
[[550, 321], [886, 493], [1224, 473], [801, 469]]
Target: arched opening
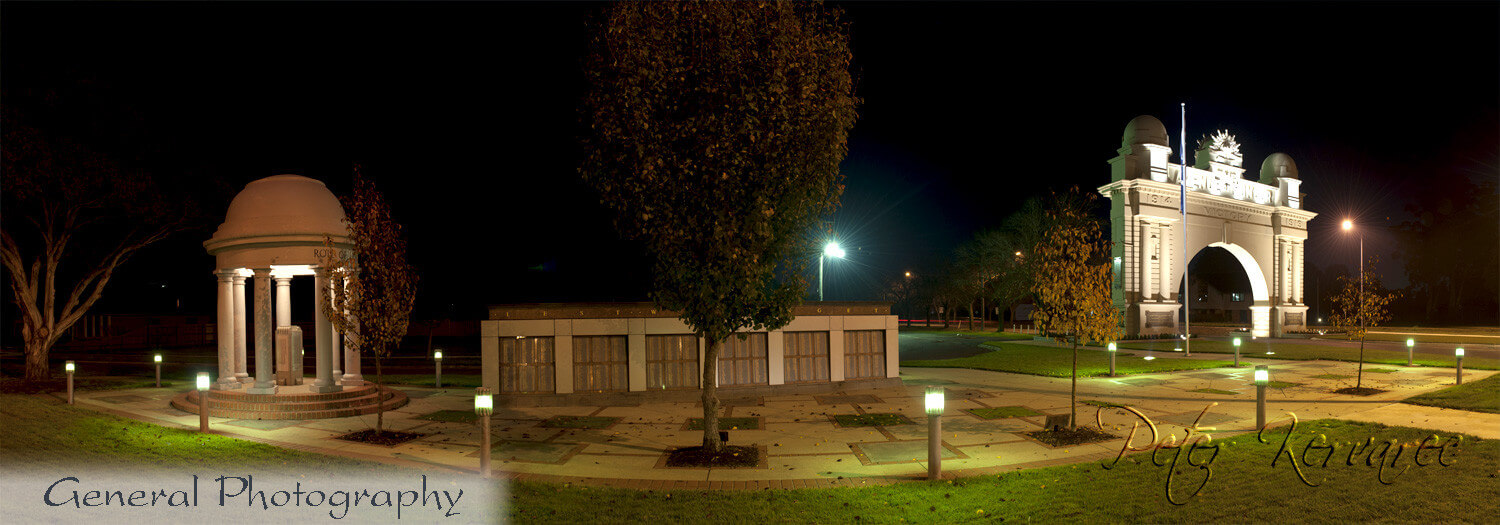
[[1221, 291]]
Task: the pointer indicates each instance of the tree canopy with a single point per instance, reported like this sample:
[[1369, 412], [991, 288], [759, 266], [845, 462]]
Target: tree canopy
[[715, 132]]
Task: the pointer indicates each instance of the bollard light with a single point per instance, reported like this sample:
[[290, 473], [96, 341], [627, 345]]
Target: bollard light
[[1236, 351], [1262, 378], [203, 383], [68, 367], [437, 358], [934, 400], [438, 355], [157, 359], [1236, 342], [1409, 344], [1458, 355], [484, 405], [1112, 349], [934, 431]]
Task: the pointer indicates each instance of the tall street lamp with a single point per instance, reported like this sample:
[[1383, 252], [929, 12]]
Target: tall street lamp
[[830, 250], [1360, 311]]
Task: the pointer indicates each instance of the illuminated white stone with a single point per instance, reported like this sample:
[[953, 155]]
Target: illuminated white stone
[[1260, 223]]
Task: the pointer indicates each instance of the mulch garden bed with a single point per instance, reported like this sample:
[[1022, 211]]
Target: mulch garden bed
[[389, 438], [1063, 437], [1360, 391], [731, 457]]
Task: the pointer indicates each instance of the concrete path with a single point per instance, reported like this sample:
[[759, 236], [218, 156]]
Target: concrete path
[[806, 444]]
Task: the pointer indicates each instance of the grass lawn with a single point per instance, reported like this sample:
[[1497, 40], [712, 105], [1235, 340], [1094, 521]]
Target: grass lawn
[[1058, 362], [14, 385], [44, 435], [1002, 336], [1307, 352], [1244, 488], [1479, 396], [1456, 334]]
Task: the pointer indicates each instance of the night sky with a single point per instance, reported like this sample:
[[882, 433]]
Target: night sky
[[466, 115]]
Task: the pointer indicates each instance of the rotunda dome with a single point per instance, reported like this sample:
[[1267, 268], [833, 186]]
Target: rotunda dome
[[1144, 129], [1273, 168], [283, 205]]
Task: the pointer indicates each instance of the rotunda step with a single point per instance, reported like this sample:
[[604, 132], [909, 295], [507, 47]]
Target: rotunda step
[[294, 406]]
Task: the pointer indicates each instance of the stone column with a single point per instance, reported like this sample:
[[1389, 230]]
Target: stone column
[[283, 300], [225, 326], [265, 382], [241, 370], [337, 351], [323, 336]]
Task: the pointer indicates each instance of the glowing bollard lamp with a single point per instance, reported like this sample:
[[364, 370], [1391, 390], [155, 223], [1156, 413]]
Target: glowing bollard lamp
[[934, 431], [437, 357], [1409, 344], [484, 405], [1236, 351], [157, 358], [1458, 354], [1112, 350], [68, 367], [1262, 378], [203, 383]]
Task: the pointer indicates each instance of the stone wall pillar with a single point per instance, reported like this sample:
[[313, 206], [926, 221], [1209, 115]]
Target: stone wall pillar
[[283, 300], [265, 381]]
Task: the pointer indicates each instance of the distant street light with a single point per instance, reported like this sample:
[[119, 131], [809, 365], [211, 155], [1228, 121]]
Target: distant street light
[[830, 250], [484, 405], [934, 431], [1360, 309], [437, 356], [68, 367], [203, 401]]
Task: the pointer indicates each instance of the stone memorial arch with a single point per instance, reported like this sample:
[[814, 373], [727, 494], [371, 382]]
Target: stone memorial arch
[[1260, 223]]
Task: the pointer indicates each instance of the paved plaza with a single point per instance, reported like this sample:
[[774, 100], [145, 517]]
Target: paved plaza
[[806, 443]]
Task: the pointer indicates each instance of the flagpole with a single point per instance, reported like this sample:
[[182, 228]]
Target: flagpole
[[1187, 341]]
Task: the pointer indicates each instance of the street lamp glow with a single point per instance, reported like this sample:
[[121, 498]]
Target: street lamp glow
[[156, 358], [438, 355], [833, 250], [1112, 347], [202, 381], [1236, 341], [1149, 357], [908, 275], [934, 400], [1262, 375], [1348, 224], [68, 367], [1459, 352], [1410, 342]]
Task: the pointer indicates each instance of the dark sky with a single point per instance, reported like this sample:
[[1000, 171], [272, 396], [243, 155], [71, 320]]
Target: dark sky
[[466, 116]]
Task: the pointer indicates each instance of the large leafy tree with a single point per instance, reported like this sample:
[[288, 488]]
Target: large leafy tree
[[1072, 284], [1361, 304], [72, 217], [715, 131], [1451, 247], [372, 289]]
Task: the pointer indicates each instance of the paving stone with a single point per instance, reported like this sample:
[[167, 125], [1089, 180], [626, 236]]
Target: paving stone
[[1209, 419], [266, 424], [120, 400], [846, 399], [534, 452], [899, 451], [1143, 381], [1210, 375]]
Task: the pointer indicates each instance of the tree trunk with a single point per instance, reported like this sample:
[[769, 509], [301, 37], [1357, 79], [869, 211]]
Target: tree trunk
[[1073, 394], [711, 442], [1360, 378], [36, 360], [380, 404]]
